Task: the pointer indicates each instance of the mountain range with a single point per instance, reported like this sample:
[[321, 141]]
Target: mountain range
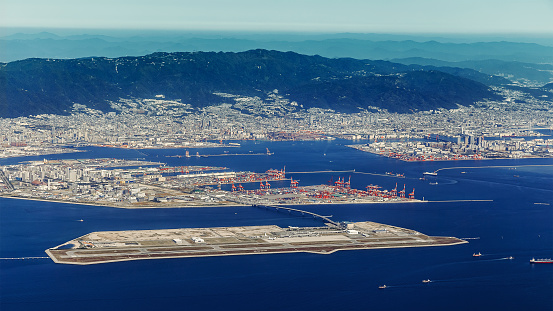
[[36, 86], [359, 46]]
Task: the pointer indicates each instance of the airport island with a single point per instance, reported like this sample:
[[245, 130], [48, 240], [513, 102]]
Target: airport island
[[115, 246], [488, 130], [145, 184]]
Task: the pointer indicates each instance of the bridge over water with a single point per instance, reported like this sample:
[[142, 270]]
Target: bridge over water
[[277, 207]]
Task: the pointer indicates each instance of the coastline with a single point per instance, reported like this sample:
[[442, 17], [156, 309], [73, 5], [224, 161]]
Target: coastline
[[445, 160], [55, 260], [233, 204], [113, 246], [163, 147], [113, 205]]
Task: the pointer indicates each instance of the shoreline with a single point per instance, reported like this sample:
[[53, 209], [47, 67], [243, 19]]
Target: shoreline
[[164, 147], [113, 206], [222, 205], [239, 205], [55, 260], [446, 160], [126, 245], [41, 154]]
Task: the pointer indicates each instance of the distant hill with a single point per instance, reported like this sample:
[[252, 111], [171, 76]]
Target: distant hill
[[36, 86], [385, 47], [549, 87], [513, 70], [402, 92]]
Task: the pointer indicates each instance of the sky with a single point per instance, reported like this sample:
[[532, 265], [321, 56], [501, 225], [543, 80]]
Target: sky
[[362, 16]]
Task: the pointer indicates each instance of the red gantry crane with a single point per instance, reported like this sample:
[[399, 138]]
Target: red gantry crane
[[348, 183], [412, 194], [402, 192], [293, 183], [393, 193]]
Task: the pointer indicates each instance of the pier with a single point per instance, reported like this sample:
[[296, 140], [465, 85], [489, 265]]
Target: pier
[[217, 155], [327, 171], [233, 154]]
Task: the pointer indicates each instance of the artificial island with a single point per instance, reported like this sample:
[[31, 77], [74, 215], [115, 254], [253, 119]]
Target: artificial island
[[114, 246], [496, 119], [144, 184], [140, 184], [135, 184]]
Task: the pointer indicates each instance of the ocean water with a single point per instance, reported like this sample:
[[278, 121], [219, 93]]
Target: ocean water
[[508, 225]]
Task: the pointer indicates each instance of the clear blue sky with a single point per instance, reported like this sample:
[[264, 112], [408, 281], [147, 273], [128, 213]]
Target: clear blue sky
[[383, 16]]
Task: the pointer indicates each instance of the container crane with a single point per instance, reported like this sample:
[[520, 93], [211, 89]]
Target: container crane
[[348, 183], [402, 192], [393, 193]]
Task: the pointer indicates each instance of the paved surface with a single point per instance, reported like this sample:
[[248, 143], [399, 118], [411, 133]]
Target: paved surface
[[112, 246]]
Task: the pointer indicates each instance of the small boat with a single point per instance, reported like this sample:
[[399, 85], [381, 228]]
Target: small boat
[[510, 257], [426, 281], [80, 220], [433, 183], [430, 173], [476, 254], [542, 260], [382, 286]]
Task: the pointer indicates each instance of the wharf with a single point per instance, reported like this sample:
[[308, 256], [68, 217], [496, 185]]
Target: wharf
[[114, 246]]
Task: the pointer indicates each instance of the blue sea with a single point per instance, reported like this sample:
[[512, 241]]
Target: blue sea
[[507, 223]]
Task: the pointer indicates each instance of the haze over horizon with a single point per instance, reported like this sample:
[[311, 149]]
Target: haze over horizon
[[395, 16]]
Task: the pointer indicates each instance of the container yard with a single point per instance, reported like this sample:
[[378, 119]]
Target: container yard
[[141, 184]]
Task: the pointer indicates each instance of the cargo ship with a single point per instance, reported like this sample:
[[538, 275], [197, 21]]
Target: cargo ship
[[543, 260]]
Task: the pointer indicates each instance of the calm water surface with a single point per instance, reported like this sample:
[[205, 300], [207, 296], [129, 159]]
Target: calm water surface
[[510, 225]]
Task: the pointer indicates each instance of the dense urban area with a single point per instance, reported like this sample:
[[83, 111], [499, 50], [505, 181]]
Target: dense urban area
[[485, 130], [158, 123]]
